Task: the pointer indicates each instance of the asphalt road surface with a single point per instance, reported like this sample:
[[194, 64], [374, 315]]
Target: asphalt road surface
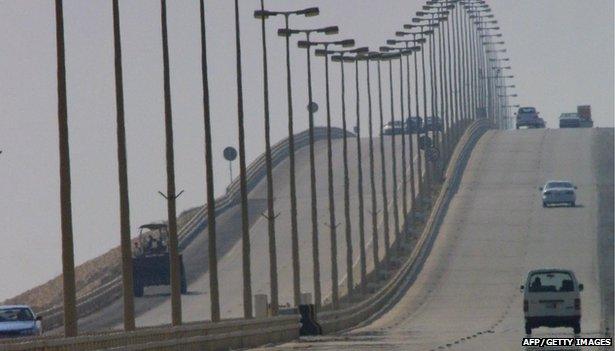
[[467, 295], [154, 308]]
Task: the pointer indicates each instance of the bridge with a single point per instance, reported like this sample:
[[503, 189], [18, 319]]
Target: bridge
[[407, 238]]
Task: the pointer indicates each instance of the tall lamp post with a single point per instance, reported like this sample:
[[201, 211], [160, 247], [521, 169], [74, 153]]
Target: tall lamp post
[[307, 12], [425, 191], [314, 199], [263, 15], [209, 176], [419, 175], [307, 44], [68, 260], [245, 224], [390, 57], [403, 52], [385, 202], [348, 233], [126, 248], [171, 196]]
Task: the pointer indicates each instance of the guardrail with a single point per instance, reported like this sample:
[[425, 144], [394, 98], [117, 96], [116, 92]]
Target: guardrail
[[194, 336], [256, 172], [334, 321]]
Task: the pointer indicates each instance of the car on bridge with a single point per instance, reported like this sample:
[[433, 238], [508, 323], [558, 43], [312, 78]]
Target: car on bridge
[[433, 124], [551, 298], [569, 120], [394, 128], [558, 192], [414, 125], [528, 117], [18, 321]]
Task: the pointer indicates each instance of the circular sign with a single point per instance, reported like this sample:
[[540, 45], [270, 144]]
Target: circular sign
[[432, 154], [230, 154], [425, 142], [312, 107]]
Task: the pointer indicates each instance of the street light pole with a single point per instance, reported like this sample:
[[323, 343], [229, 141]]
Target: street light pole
[[126, 247], [285, 32], [209, 177], [273, 261], [332, 218], [403, 135], [372, 181], [389, 58], [171, 196], [349, 255], [306, 44], [68, 260], [245, 224], [385, 201]]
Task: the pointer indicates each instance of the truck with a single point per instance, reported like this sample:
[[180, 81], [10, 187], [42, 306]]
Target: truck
[[585, 116], [528, 117], [151, 259]]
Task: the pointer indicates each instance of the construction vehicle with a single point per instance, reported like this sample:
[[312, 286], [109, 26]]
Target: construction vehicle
[[585, 115], [150, 262]]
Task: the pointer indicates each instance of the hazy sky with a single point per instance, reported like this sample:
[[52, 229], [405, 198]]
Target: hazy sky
[[561, 52]]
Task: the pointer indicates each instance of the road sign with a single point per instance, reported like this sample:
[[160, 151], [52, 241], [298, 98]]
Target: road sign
[[425, 142], [312, 107], [230, 154], [432, 154]]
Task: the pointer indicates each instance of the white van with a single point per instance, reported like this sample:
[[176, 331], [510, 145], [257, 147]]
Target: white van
[[551, 298]]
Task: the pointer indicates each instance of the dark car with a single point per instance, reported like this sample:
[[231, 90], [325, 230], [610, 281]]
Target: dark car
[[433, 124], [414, 125]]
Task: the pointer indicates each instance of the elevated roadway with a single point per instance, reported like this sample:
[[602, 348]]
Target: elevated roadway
[[467, 295]]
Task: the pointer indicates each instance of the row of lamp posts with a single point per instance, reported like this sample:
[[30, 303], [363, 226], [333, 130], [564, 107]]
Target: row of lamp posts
[[465, 77]]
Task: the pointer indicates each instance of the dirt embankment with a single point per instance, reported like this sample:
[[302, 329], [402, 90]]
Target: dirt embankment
[[89, 276]]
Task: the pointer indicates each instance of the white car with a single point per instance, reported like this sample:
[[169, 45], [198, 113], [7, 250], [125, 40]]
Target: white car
[[394, 128], [558, 192], [18, 321], [551, 298]]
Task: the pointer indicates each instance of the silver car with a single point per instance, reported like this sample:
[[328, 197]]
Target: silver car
[[558, 192]]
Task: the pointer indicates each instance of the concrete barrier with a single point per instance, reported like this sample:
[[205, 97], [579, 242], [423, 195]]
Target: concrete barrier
[[194, 336]]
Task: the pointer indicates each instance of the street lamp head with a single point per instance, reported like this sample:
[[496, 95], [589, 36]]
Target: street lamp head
[[346, 43], [323, 52], [329, 30], [260, 14], [309, 12], [304, 44], [283, 32]]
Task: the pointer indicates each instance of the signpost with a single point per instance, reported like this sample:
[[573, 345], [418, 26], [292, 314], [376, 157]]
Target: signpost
[[230, 154]]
